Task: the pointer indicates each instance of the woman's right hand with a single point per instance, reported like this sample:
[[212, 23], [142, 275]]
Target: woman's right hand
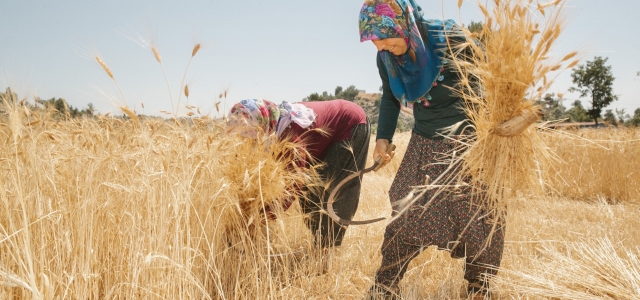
[[381, 151]]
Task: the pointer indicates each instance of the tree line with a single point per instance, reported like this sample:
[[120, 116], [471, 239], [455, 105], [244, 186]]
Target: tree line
[[553, 109], [593, 81], [58, 106], [339, 93]]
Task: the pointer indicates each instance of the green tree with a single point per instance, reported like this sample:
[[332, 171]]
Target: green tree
[[552, 107], [595, 79], [475, 27], [610, 117], [348, 94], [478, 29], [577, 113], [60, 106], [338, 90], [90, 110], [313, 97], [622, 115], [63, 109], [9, 96], [635, 120], [319, 97]]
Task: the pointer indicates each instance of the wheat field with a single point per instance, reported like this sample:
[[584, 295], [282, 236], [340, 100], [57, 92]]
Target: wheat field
[[112, 208]]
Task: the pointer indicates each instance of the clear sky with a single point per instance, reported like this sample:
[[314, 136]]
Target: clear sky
[[277, 50]]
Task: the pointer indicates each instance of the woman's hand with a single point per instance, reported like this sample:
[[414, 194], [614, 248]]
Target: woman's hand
[[381, 151]]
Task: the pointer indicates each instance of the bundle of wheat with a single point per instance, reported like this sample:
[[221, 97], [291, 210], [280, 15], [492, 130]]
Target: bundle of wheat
[[505, 69]]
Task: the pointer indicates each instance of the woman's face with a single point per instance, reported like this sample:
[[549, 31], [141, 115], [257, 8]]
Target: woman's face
[[397, 46]]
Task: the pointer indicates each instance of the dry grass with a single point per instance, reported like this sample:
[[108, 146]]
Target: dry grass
[[561, 249], [127, 209], [596, 163], [104, 209], [142, 209]]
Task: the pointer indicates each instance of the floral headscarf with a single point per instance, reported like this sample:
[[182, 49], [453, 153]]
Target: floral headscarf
[[295, 112], [383, 20], [265, 113], [412, 74], [272, 118]]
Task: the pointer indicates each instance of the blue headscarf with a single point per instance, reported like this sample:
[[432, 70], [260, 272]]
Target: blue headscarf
[[412, 74]]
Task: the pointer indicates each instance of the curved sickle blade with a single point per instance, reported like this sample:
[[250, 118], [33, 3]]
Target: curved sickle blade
[[332, 196]]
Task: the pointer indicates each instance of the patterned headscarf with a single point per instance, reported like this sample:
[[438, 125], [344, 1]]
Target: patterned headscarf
[[295, 112], [412, 74], [272, 118], [265, 113]]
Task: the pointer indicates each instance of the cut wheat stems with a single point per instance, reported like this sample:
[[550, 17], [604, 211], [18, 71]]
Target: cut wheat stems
[[511, 67]]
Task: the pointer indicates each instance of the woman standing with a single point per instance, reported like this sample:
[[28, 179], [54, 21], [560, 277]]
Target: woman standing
[[335, 133], [414, 73]]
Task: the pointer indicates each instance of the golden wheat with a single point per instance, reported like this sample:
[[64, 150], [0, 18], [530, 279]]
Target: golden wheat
[[104, 67], [110, 74], [512, 71], [181, 198], [195, 50], [186, 89], [156, 53], [107, 208]]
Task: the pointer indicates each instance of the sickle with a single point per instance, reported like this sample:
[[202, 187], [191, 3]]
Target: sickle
[[376, 166]]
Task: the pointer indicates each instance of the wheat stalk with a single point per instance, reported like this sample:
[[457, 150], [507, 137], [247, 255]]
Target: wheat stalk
[[193, 53], [110, 74], [104, 67], [156, 54], [195, 50]]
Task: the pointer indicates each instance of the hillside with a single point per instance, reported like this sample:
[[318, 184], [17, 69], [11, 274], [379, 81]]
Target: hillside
[[371, 105]]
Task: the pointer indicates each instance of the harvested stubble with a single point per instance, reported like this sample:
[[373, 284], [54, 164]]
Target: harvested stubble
[[512, 67], [564, 249]]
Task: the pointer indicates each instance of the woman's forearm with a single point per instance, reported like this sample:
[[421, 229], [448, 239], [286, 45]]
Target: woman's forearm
[[389, 107]]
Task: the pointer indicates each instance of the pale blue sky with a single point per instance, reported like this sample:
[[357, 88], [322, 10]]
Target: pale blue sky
[[278, 50]]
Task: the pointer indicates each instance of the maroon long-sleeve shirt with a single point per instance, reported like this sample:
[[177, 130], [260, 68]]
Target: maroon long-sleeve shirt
[[336, 118]]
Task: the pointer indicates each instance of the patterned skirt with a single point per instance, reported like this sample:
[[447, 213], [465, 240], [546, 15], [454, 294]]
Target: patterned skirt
[[448, 220]]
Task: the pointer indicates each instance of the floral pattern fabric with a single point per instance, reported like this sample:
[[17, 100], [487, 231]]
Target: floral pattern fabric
[[265, 113], [294, 112], [271, 117], [413, 74], [449, 221], [383, 20], [410, 74]]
